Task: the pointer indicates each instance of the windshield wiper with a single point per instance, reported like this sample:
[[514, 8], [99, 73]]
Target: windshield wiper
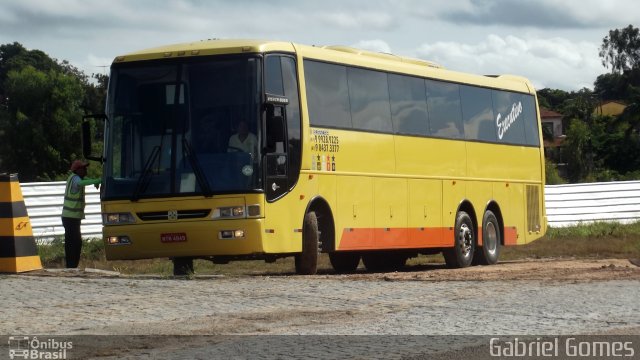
[[145, 177], [197, 169]]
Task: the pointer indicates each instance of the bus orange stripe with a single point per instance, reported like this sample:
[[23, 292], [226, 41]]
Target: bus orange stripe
[[510, 236], [407, 238], [399, 238]]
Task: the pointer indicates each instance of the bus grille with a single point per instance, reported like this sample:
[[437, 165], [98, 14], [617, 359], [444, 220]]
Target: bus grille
[[181, 215], [533, 208]]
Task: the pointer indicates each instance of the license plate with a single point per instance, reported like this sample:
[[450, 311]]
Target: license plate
[[173, 237]]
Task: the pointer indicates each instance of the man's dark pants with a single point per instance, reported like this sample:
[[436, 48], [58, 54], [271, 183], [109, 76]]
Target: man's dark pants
[[72, 241]]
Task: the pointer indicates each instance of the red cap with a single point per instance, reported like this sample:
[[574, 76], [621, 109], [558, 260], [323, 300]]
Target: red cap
[[78, 164]]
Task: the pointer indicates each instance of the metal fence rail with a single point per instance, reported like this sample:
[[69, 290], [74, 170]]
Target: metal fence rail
[[575, 203], [44, 205], [566, 205]]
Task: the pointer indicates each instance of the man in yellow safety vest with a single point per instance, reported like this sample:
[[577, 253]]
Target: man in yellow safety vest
[[73, 211]]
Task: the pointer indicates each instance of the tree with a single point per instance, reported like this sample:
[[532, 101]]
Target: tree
[[578, 151], [41, 106], [40, 127], [552, 98], [610, 86], [580, 105], [621, 49]]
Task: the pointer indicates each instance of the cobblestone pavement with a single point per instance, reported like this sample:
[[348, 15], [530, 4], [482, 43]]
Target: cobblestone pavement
[[322, 305]]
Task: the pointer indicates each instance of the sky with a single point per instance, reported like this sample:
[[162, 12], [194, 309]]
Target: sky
[[553, 43]]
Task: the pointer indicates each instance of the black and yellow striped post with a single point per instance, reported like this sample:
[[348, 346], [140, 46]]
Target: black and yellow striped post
[[18, 251]]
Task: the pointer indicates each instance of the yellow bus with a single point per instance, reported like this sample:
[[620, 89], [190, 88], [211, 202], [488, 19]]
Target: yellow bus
[[230, 150]]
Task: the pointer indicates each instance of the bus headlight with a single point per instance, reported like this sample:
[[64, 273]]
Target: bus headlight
[[117, 219], [231, 234], [118, 240], [229, 212]]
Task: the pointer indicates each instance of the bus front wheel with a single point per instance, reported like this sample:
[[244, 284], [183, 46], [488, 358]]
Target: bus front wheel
[[461, 254], [307, 261]]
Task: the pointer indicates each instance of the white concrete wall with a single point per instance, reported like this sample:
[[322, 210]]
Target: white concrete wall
[[44, 205], [612, 201], [566, 205]]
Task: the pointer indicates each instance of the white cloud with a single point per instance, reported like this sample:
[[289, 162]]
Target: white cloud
[[376, 45], [551, 42], [552, 62], [99, 64], [362, 20]]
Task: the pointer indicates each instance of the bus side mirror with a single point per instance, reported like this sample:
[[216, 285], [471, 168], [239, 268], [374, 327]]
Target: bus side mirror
[[87, 136]]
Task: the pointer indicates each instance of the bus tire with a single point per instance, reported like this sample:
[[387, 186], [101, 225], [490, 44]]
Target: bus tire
[[182, 266], [307, 261], [344, 262], [490, 251], [381, 261], [461, 254]]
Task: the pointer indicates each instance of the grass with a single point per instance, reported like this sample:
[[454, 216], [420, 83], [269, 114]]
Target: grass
[[598, 240]]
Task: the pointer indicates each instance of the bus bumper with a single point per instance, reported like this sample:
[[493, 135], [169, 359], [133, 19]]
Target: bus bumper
[[192, 239]]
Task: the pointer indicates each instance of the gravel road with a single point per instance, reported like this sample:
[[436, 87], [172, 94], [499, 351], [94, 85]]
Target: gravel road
[[538, 298]]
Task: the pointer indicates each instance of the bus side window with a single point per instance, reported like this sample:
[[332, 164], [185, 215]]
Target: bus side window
[[445, 114]]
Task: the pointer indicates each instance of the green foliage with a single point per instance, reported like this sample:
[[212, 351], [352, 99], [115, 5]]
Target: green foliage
[[551, 174], [614, 86], [41, 106], [553, 98], [619, 49], [52, 253], [579, 150], [596, 240], [596, 230], [38, 140], [603, 148], [580, 105]]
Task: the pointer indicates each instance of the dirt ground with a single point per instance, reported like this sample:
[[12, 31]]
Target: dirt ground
[[111, 315], [539, 269], [533, 269]]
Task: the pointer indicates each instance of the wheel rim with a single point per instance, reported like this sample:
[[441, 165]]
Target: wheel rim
[[465, 239], [491, 238]]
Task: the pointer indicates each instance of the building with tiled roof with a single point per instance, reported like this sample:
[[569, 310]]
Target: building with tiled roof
[[552, 121], [610, 108]]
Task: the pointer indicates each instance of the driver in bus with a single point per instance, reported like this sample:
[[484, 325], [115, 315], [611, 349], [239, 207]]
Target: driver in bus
[[243, 140]]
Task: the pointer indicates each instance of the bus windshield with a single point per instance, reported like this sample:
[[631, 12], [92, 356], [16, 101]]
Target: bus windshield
[[183, 127]]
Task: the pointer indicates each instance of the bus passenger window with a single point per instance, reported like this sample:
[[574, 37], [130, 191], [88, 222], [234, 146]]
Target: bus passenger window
[[509, 117], [477, 112], [530, 120], [369, 95], [445, 115], [408, 105], [327, 94]]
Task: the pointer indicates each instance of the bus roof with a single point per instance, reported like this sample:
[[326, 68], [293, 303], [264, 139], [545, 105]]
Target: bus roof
[[339, 54]]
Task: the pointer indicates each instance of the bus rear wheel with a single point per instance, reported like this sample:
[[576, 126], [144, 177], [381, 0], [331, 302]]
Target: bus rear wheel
[[344, 262], [307, 261], [490, 251], [461, 254]]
